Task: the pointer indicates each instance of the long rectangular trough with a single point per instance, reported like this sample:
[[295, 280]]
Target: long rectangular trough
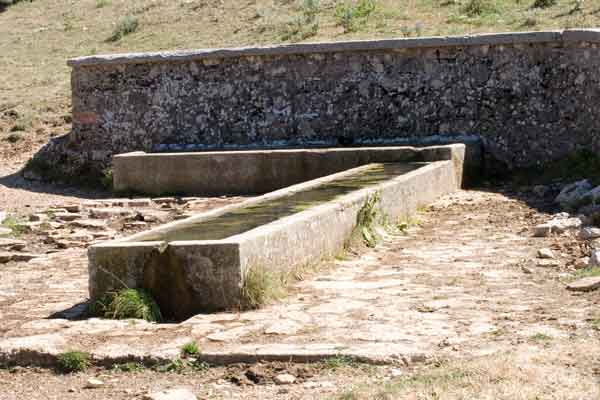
[[200, 264], [251, 171]]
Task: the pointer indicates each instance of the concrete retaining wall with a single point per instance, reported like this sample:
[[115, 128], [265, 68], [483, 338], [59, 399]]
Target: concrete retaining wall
[[253, 172], [190, 277], [530, 96]]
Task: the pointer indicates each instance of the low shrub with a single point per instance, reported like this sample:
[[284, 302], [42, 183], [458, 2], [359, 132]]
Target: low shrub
[[125, 26], [73, 361]]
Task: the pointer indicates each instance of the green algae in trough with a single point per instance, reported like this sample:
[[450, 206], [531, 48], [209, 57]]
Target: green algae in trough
[[244, 219]]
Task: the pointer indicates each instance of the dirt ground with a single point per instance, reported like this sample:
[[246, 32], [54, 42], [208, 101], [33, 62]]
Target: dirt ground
[[458, 307]]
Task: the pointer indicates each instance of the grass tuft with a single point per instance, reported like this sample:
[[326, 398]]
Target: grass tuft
[[366, 222], [476, 8], [127, 304], [190, 349], [260, 286], [73, 361], [125, 26], [544, 3], [353, 16]]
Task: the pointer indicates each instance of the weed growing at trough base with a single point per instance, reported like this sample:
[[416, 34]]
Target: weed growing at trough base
[[260, 286], [127, 304], [73, 361]]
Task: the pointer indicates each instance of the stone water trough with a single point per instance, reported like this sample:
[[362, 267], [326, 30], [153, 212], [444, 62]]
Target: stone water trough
[[200, 264]]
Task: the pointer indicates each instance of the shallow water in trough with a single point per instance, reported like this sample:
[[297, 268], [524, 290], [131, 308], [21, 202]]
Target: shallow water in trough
[[244, 219]]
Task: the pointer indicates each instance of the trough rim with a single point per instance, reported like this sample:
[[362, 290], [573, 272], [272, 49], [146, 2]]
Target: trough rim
[[343, 201]]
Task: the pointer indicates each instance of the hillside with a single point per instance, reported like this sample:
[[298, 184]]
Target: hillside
[[36, 38]]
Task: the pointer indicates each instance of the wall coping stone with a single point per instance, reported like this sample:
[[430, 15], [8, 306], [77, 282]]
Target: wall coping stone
[[492, 39]]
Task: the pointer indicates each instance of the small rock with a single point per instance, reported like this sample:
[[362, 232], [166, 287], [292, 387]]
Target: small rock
[[5, 231], [138, 203], [88, 223], [72, 208], [548, 263], [8, 256], [542, 230], [545, 253], [589, 233], [165, 200], [38, 217], [67, 216], [284, 379], [571, 195], [395, 372], [12, 244], [93, 383], [173, 394], [581, 263], [585, 284], [105, 213], [526, 270]]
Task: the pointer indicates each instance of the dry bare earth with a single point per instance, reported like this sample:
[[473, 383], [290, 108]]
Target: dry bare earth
[[462, 293], [37, 37]]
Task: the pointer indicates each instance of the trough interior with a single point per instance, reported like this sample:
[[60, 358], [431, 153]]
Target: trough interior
[[243, 219]]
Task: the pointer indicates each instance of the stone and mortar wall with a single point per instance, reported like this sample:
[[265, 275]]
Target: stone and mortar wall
[[531, 97]]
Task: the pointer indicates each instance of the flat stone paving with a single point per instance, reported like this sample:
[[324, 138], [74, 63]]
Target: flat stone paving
[[463, 282]]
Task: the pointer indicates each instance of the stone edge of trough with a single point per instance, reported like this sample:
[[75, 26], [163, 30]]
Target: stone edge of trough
[[492, 39]]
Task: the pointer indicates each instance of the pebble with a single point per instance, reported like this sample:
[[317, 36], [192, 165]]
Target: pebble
[[589, 233], [284, 379], [545, 253], [585, 284], [93, 383]]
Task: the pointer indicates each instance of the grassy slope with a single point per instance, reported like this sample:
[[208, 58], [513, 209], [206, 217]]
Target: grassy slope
[[37, 37]]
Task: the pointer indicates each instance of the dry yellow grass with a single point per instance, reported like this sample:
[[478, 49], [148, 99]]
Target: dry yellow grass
[[567, 370], [36, 38]]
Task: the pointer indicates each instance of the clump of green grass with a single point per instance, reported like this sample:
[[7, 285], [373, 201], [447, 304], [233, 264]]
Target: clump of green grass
[[476, 8], [102, 3], [180, 366], [304, 25], [107, 179], [544, 3], [541, 337], [128, 367], [125, 26], [587, 272], [15, 225], [260, 286], [127, 304], [366, 222], [353, 16], [190, 349], [337, 362], [73, 361]]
